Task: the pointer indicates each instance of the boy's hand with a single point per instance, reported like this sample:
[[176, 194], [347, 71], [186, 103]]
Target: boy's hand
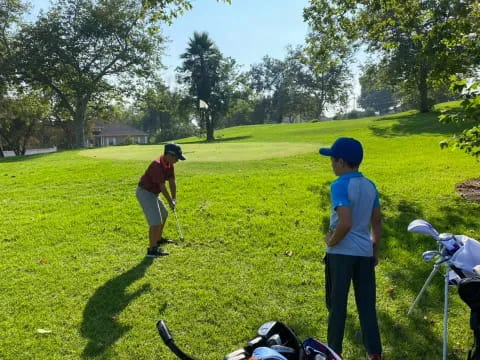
[[173, 203], [328, 237]]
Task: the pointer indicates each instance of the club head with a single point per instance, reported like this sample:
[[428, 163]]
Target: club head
[[164, 332], [423, 227], [429, 255], [268, 329], [239, 354], [282, 349], [476, 270], [274, 340]]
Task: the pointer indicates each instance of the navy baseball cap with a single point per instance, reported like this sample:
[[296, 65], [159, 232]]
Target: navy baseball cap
[[174, 150], [347, 149]]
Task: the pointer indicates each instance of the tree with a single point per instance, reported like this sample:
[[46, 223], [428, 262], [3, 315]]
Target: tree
[[267, 81], [20, 115], [82, 49], [163, 114], [374, 94], [421, 42], [210, 78], [10, 16], [327, 55], [469, 113]]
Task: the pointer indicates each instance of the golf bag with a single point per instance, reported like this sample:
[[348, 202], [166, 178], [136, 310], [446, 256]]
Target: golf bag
[[461, 257], [274, 341], [469, 291]]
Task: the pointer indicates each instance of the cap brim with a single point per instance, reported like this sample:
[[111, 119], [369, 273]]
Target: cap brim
[[182, 157], [325, 151]]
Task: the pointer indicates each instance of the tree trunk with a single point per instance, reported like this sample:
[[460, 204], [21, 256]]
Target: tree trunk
[[209, 127], [79, 119], [1, 151], [423, 90]]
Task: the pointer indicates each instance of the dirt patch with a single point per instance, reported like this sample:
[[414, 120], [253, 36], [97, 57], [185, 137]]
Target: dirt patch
[[469, 190]]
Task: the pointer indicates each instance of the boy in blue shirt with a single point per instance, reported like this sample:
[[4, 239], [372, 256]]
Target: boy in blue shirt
[[352, 250]]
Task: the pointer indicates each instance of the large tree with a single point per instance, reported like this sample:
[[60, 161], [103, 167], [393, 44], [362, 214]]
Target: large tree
[[420, 41], [81, 49], [211, 80]]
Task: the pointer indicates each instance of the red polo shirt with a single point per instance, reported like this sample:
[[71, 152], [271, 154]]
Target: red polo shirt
[[157, 173]]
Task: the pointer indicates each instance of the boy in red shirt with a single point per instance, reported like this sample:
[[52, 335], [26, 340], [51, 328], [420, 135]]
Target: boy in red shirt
[[151, 184]]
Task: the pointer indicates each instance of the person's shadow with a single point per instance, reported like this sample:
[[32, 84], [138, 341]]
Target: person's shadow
[[100, 325]]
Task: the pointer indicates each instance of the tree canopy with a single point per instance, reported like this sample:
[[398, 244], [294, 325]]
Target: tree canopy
[[81, 49]]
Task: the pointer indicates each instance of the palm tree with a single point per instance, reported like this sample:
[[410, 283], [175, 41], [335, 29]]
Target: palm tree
[[201, 71]]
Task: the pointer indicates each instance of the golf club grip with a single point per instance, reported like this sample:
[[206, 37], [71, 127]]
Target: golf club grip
[[168, 340], [164, 332]]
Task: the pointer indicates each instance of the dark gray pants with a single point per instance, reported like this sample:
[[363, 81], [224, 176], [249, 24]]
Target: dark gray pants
[[340, 271]]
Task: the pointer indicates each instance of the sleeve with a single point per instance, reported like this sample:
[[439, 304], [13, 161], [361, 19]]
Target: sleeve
[[339, 195], [376, 202]]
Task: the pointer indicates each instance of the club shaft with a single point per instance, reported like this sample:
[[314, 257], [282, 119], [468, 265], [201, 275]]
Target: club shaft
[[179, 228], [425, 285]]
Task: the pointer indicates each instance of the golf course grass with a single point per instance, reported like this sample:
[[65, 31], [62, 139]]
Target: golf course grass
[[254, 207]]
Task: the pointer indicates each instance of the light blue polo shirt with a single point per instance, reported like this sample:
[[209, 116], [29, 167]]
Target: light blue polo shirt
[[361, 196]]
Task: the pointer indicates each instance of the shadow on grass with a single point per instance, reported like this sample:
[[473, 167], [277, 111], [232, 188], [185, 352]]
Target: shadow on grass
[[412, 124], [219, 140], [100, 316]]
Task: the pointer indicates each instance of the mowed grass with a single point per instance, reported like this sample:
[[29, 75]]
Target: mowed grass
[[254, 207]]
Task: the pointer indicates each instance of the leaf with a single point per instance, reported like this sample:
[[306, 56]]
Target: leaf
[[43, 331], [289, 253]]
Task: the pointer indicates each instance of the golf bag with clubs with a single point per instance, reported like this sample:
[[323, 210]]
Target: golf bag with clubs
[[273, 341], [460, 256]]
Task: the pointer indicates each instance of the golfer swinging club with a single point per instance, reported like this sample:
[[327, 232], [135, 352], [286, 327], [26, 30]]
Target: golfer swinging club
[[151, 184]]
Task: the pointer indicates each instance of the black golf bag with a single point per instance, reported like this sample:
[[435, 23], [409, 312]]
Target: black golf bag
[[469, 291]]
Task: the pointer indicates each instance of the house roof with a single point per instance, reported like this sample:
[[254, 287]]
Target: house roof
[[118, 130]]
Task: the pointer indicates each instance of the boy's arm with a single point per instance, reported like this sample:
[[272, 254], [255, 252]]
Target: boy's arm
[[167, 196], [173, 189], [376, 222], [343, 227]]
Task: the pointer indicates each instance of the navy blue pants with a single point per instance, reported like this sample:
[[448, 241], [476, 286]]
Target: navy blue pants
[[340, 271]]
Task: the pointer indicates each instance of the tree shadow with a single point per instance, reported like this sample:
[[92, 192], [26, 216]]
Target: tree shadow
[[100, 316], [218, 140], [414, 123]]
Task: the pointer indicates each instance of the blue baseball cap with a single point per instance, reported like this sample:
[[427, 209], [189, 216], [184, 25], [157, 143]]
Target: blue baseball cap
[[347, 149]]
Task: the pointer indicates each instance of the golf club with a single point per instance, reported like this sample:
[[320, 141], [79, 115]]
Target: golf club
[[430, 254], [168, 340], [179, 228]]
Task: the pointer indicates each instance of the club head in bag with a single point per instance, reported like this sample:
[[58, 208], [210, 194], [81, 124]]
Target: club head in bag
[[423, 227], [286, 336], [268, 329], [430, 254]]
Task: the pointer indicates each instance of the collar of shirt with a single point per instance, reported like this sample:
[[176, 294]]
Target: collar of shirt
[[350, 175], [162, 162]]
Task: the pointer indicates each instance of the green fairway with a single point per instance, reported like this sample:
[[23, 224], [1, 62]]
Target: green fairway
[[216, 152], [254, 207]]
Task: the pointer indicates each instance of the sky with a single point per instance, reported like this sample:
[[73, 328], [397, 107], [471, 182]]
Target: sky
[[245, 30]]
